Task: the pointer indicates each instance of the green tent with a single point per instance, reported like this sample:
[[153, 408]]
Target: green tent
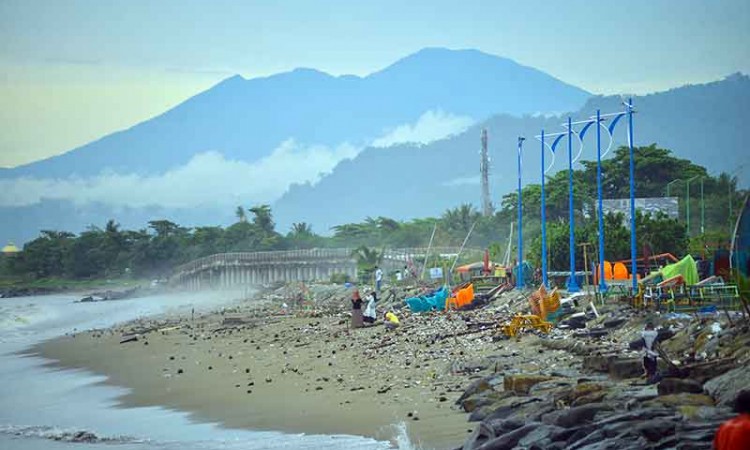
[[685, 267]]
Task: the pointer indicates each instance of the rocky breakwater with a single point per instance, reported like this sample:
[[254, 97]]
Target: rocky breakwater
[[597, 398]]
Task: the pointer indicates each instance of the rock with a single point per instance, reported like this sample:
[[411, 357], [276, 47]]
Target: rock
[[597, 363], [677, 385], [724, 388], [521, 383], [478, 386], [483, 399], [657, 429], [684, 399], [626, 368], [581, 394], [509, 440], [568, 418]]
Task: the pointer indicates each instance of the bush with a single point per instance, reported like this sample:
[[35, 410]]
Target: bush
[[340, 278]]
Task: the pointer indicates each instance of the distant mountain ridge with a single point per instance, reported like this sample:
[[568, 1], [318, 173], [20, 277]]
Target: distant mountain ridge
[[246, 119], [704, 123]]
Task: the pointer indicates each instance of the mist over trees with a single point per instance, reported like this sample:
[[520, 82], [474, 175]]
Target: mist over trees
[[153, 251]]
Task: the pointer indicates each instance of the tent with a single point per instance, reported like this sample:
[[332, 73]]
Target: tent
[[685, 267]]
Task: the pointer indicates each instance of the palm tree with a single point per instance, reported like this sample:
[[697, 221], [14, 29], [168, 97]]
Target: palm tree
[[367, 260], [263, 218], [240, 213], [460, 219], [301, 229]]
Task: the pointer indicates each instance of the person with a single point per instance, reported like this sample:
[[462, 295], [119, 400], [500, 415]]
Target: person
[[356, 310], [734, 434], [650, 357], [370, 313], [391, 321], [378, 278]]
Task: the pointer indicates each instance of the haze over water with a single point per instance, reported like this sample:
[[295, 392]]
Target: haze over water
[[41, 404]]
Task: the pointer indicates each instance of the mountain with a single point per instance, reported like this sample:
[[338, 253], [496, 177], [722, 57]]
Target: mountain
[[247, 119], [704, 123]]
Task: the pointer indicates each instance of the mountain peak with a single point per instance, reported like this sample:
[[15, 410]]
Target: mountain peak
[[434, 57]]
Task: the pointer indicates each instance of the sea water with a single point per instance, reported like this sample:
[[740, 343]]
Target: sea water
[[45, 408]]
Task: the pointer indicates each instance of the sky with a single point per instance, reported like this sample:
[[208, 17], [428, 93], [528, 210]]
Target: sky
[[74, 71]]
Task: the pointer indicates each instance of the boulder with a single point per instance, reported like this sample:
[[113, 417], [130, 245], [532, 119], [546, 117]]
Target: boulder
[[623, 368], [478, 386], [678, 385], [521, 383], [684, 399], [509, 440], [655, 430], [568, 418], [581, 394], [724, 388]]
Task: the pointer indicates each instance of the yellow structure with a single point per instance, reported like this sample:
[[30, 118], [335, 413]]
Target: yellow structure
[[527, 322], [10, 249]]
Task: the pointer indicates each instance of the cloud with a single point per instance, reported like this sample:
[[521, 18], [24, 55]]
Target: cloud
[[210, 179], [431, 126], [207, 179]]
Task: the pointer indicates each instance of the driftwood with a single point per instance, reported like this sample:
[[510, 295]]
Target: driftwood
[[129, 338]]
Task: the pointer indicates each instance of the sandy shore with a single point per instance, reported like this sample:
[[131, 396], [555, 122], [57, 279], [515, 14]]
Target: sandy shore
[[310, 375]]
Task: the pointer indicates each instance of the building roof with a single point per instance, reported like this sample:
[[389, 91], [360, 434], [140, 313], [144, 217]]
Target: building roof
[[10, 248]]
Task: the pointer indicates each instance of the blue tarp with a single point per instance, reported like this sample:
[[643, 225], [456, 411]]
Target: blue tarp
[[423, 303]]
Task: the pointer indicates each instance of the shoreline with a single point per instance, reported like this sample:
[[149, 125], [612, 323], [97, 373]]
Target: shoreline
[[324, 378], [449, 376]]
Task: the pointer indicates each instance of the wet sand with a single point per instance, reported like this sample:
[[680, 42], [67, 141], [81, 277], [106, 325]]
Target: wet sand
[[309, 375]]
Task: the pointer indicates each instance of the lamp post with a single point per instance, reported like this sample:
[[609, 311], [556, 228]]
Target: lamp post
[[598, 119], [572, 283], [703, 210], [687, 202], [519, 272], [602, 284], [544, 223], [670, 183], [633, 240], [558, 137]]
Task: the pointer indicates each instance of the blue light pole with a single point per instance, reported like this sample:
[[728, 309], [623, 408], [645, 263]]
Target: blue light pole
[[519, 272], [544, 223], [602, 284], [544, 170], [633, 264], [598, 119], [572, 283]]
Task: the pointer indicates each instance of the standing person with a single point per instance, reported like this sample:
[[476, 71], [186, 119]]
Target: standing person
[[734, 434], [378, 278], [370, 313], [650, 357], [356, 310]]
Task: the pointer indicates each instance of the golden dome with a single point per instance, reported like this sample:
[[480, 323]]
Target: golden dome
[[10, 249]]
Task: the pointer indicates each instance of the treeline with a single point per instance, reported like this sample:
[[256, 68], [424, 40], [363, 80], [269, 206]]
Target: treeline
[[153, 251]]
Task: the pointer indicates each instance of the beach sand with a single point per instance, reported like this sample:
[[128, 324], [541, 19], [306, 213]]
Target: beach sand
[[309, 375]]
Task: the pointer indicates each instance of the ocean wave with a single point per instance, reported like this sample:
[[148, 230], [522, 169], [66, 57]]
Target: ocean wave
[[64, 435]]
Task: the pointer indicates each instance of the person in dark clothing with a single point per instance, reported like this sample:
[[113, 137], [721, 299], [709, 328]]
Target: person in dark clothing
[[650, 362], [357, 320]]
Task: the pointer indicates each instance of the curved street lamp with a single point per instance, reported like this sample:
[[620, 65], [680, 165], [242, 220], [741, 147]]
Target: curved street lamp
[[519, 272], [558, 137]]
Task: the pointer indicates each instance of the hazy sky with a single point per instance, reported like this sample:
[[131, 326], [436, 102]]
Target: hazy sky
[[73, 71]]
